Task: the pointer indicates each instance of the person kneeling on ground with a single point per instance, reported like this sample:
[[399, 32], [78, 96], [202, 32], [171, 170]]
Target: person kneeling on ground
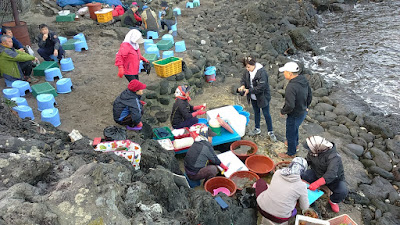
[[49, 44], [15, 64], [326, 168], [199, 154], [183, 114], [131, 17], [167, 17], [127, 107], [277, 201]]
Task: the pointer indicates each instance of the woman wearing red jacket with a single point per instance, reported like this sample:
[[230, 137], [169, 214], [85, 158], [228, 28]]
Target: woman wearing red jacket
[[128, 57]]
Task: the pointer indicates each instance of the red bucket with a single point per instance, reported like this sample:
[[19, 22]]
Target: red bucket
[[210, 78]]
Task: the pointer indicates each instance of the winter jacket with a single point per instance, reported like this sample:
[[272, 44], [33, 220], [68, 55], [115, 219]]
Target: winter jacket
[[298, 96], [181, 111], [169, 14], [9, 58], [282, 194], [16, 43], [129, 19], [260, 86], [198, 155], [327, 164], [149, 18], [128, 103], [129, 58], [51, 42]]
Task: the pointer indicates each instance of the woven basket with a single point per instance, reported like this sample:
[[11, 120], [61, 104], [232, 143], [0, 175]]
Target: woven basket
[[168, 67]]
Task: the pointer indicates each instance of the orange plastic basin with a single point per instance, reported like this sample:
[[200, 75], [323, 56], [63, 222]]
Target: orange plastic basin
[[260, 164]]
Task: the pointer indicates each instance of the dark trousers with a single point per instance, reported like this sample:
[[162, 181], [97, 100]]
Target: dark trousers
[[338, 187], [186, 123], [167, 23], [257, 116], [26, 68], [45, 53], [127, 121], [131, 77], [292, 132], [205, 173]]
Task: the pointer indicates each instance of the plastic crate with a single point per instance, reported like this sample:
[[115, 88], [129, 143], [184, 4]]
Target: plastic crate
[[151, 57], [183, 135], [342, 219], [309, 221], [104, 15], [165, 44], [170, 136], [66, 18], [168, 67], [43, 88]]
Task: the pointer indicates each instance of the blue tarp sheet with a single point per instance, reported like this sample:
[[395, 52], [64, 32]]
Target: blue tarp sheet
[[63, 3]]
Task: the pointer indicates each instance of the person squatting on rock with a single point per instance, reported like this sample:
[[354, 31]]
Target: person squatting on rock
[[255, 86], [326, 168], [16, 44], [14, 64], [131, 17], [167, 16], [198, 156], [49, 44], [149, 18], [298, 97], [277, 201], [127, 107], [128, 56], [183, 114]]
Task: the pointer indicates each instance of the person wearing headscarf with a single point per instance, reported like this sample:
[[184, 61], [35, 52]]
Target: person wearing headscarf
[[183, 114], [326, 169], [199, 155], [127, 107], [128, 57], [277, 201]]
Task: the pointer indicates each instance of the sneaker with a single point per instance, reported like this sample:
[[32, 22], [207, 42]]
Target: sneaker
[[170, 31], [272, 136], [254, 132], [334, 206], [32, 80], [286, 156]]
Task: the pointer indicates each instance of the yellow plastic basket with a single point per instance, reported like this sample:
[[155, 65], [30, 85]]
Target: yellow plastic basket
[[168, 67], [104, 15]]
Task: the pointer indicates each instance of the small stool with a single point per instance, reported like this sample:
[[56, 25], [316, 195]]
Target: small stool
[[51, 73], [67, 64], [150, 45], [192, 183], [11, 93], [54, 58], [189, 5], [43, 88], [22, 86], [153, 50], [8, 82], [79, 45], [80, 36], [180, 46], [174, 27], [24, 111], [64, 85], [152, 35], [147, 42], [177, 11], [196, 3], [168, 37], [20, 101], [141, 67], [62, 40], [167, 54], [45, 101], [52, 116]]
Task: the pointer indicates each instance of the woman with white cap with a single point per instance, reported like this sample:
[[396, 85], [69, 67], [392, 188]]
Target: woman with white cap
[[277, 201], [326, 168], [128, 57]]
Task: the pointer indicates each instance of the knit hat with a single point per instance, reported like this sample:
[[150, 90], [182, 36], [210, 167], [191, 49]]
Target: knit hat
[[317, 144], [136, 85], [134, 5], [164, 4], [181, 91], [297, 166]]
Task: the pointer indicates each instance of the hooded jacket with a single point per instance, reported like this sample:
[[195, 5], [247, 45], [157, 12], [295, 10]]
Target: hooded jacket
[[129, 58], [282, 194], [327, 164], [9, 66], [127, 103], [298, 96], [198, 155], [259, 87], [181, 111]]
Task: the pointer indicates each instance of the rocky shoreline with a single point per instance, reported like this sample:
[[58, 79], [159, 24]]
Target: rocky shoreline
[[50, 180]]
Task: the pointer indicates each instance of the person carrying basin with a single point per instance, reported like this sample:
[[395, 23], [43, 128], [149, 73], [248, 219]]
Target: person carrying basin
[[49, 44], [326, 169], [277, 201], [199, 155], [183, 114], [255, 86], [127, 107]]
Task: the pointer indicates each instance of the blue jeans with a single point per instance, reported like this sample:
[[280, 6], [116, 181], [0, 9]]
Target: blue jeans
[[338, 187], [292, 132], [257, 116]]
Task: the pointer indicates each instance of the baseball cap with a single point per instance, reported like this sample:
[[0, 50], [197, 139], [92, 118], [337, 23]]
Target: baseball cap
[[290, 67]]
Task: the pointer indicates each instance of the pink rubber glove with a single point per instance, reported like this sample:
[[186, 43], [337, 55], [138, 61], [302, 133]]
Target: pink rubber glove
[[121, 71], [199, 107], [223, 167], [143, 102], [139, 124], [316, 184], [199, 112]]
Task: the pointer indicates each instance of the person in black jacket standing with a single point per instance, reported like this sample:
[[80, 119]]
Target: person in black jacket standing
[[298, 97], [254, 85], [326, 168]]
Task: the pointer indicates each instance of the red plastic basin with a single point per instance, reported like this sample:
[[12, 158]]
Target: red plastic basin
[[244, 174], [236, 144], [260, 164], [217, 182]]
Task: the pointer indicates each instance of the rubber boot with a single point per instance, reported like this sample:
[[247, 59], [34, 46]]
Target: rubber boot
[[334, 206]]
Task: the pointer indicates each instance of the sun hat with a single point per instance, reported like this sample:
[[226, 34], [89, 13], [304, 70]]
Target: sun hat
[[136, 85], [290, 67]]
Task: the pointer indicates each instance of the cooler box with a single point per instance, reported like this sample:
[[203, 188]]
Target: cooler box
[[104, 15], [233, 163]]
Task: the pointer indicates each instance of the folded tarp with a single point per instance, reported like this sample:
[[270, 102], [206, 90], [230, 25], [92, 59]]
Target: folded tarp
[[63, 3]]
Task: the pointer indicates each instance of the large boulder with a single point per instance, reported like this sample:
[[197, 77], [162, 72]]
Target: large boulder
[[379, 189], [381, 159], [302, 39]]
